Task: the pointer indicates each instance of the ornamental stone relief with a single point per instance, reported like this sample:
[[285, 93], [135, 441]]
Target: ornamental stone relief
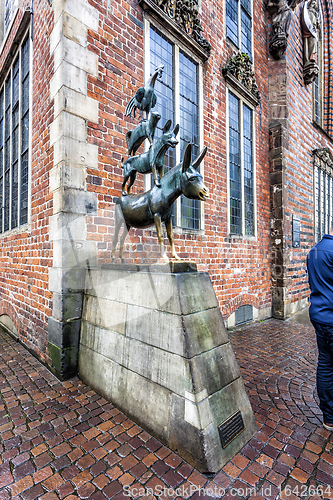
[[280, 12], [238, 72], [323, 158], [185, 14]]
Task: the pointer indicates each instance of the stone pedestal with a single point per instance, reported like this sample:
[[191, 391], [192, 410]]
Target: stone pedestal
[[153, 342]]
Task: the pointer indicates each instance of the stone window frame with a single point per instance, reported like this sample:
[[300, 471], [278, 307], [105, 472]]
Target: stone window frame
[[239, 26], [317, 85], [322, 205], [249, 104], [149, 21], [21, 226]]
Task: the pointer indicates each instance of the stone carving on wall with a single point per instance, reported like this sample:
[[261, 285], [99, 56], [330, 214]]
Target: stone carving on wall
[[323, 158], [310, 24], [185, 14], [238, 72], [281, 12]]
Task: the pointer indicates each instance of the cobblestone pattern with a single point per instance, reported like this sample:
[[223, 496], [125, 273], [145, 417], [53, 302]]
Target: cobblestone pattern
[[63, 441]]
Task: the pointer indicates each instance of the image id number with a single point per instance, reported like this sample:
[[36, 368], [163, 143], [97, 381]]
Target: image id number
[[304, 491]]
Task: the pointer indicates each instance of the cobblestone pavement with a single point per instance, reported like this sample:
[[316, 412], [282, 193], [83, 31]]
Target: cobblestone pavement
[[63, 441]]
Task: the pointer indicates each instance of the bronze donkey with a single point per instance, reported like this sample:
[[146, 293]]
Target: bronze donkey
[[151, 160], [155, 206]]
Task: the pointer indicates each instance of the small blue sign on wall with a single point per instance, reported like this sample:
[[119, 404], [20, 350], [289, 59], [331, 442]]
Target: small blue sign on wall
[[296, 232]]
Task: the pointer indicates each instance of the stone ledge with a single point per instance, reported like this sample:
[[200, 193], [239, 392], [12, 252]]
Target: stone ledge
[[233, 83], [172, 267]]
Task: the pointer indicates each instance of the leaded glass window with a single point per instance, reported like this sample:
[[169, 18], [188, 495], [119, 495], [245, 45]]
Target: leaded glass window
[[239, 24], [323, 186], [14, 142], [241, 164], [178, 99]]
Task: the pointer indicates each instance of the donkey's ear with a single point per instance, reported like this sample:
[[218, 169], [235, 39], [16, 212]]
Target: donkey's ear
[[187, 157], [176, 129], [167, 126], [197, 161]]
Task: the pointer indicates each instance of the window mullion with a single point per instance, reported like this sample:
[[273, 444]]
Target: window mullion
[[239, 26], [177, 120], [10, 147], [3, 162], [242, 165], [19, 145]]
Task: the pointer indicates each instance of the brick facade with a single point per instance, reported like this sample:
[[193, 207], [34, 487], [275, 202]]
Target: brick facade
[[87, 61]]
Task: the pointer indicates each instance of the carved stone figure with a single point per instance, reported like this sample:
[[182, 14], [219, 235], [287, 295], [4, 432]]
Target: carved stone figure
[[155, 206], [145, 98], [310, 24], [151, 160], [145, 130], [280, 12]]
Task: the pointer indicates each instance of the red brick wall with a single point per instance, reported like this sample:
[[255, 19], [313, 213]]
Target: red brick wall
[[304, 136], [240, 269], [25, 257]]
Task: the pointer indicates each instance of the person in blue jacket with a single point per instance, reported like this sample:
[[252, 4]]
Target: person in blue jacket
[[320, 272]]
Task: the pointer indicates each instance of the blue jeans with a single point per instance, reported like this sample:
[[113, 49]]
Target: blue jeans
[[325, 369]]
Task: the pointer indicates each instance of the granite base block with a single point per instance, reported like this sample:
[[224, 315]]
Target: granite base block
[[153, 342]]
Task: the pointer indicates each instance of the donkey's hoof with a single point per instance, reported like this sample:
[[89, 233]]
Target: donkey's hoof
[[157, 183], [124, 193]]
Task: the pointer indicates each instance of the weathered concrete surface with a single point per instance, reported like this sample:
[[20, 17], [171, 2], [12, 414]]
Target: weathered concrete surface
[[154, 343]]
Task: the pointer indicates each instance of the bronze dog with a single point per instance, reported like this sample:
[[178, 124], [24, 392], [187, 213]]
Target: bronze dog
[[152, 160], [145, 130]]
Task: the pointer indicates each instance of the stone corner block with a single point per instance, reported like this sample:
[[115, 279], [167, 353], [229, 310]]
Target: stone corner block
[[74, 201], [64, 361], [64, 334], [196, 292]]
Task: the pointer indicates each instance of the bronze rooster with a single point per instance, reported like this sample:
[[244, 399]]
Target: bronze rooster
[[145, 98]]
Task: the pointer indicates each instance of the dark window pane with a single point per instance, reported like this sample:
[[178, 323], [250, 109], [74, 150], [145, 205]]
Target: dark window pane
[[248, 171], [15, 144], [246, 33], [189, 131], [246, 5], [1, 156], [24, 188], [235, 166], [25, 133], [25, 95], [16, 82], [14, 197], [161, 52], [1, 202], [25, 59], [6, 201], [232, 20], [317, 198]]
